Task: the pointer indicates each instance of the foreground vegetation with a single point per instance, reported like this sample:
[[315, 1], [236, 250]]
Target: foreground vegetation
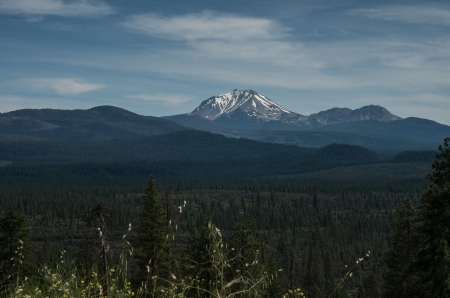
[[254, 239]]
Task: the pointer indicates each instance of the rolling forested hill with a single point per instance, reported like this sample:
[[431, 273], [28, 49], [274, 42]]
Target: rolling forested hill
[[99, 123]]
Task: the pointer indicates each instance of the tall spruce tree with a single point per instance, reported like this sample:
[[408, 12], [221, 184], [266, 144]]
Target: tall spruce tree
[[435, 227], [153, 241]]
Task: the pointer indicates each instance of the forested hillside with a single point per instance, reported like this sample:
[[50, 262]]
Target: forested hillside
[[99, 123]]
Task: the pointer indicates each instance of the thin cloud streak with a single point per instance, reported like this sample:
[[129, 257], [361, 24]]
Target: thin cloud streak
[[79, 8], [407, 14], [167, 99], [206, 25], [63, 87]]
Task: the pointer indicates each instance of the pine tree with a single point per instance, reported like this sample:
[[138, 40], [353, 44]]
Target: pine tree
[[15, 250], [400, 277], [435, 224], [153, 241], [441, 280], [244, 249]]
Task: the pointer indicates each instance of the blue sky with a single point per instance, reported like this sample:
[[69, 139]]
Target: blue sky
[[165, 57]]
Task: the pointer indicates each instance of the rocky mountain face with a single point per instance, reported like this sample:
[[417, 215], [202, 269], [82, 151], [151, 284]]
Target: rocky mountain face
[[331, 116], [371, 112]]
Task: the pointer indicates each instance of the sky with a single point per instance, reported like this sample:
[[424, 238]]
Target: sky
[[162, 58]]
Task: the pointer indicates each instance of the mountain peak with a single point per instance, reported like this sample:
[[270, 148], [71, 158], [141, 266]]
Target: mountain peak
[[248, 101], [371, 112]]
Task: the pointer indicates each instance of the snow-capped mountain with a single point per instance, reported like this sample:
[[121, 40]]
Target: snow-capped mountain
[[247, 109], [250, 102]]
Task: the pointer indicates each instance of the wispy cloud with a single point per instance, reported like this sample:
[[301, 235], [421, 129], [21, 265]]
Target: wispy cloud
[[206, 25], [166, 99], [407, 14], [63, 87], [82, 8], [223, 36]]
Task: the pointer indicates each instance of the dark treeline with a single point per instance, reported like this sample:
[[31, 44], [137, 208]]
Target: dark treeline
[[311, 229]]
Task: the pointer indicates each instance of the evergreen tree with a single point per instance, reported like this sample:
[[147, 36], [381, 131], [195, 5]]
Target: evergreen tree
[[441, 265], [435, 226], [199, 258], [400, 277], [244, 252], [153, 241], [276, 287], [15, 250]]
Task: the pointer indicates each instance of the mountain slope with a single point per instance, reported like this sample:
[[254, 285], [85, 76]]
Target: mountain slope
[[181, 145], [99, 123], [411, 128]]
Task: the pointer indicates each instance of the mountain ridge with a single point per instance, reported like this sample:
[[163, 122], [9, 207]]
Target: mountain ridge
[[98, 123], [367, 125], [247, 109]]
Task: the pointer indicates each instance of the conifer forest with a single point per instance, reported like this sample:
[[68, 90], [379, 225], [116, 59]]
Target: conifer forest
[[220, 228]]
